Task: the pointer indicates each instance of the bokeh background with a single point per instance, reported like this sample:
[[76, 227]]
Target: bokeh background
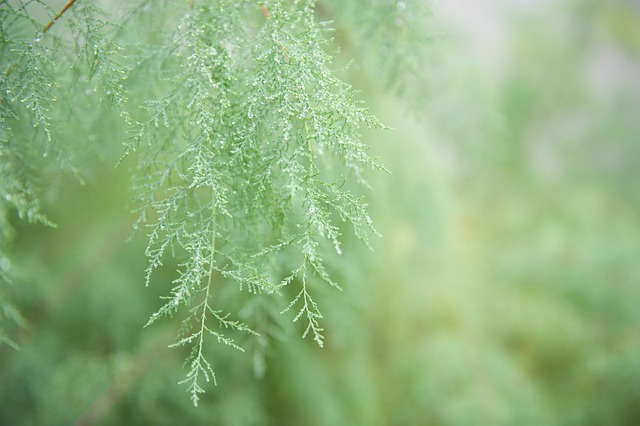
[[505, 289]]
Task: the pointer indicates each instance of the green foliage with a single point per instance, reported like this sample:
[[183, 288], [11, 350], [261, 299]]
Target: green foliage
[[242, 159], [245, 145], [504, 291], [24, 98]]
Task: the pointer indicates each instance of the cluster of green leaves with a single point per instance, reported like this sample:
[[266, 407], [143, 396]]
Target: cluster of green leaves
[[243, 158], [36, 99], [505, 291], [24, 98], [246, 146]]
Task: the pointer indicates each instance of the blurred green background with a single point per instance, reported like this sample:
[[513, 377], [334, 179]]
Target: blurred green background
[[505, 289]]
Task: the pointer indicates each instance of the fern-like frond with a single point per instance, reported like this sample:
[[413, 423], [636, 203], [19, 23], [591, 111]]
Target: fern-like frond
[[252, 131], [308, 307]]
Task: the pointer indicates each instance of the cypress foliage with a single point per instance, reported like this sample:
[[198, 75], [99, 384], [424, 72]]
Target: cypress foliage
[[246, 146], [210, 169]]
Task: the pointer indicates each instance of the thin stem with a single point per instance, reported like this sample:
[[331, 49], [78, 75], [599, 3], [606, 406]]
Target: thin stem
[[213, 249], [205, 303], [210, 279], [55, 18], [312, 164], [264, 11]]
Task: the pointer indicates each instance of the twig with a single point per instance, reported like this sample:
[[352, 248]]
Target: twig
[[55, 18], [265, 13]]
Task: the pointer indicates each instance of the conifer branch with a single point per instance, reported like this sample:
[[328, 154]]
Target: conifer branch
[[208, 371], [244, 139]]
